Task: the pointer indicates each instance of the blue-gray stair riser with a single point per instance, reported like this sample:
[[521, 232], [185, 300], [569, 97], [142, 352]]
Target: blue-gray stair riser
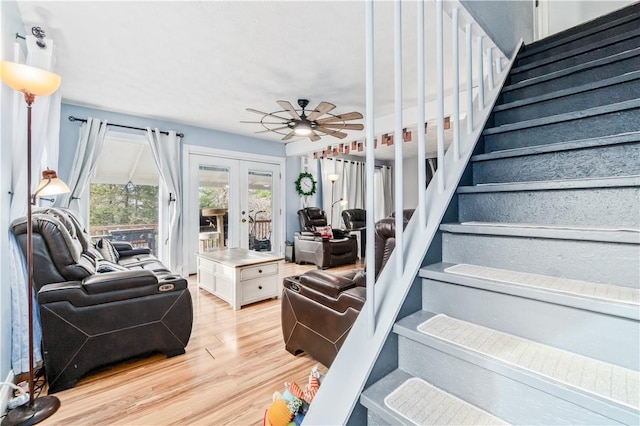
[[625, 91], [588, 127], [594, 261], [600, 161], [593, 38], [595, 335], [581, 58], [497, 394], [373, 420], [574, 79], [593, 207]]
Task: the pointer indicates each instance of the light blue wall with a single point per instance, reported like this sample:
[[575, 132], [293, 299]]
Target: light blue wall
[[504, 21], [192, 135], [11, 24]]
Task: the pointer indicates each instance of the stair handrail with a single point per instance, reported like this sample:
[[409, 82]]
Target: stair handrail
[[352, 367]]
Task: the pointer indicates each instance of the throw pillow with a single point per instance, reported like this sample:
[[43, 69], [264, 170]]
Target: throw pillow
[[107, 250], [324, 231]]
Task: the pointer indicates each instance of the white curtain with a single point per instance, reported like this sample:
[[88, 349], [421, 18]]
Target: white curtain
[[90, 141], [383, 192], [166, 152], [45, 130], [351, 187]]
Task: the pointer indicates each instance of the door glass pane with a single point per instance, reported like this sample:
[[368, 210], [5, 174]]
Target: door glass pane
[[213, 189], [260, 196]]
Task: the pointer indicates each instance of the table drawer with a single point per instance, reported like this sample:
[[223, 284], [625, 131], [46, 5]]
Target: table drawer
[[258, 271], [206, 265], [259, 289]]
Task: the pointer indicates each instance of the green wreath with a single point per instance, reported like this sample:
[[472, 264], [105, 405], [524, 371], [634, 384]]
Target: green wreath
[[306, 185]]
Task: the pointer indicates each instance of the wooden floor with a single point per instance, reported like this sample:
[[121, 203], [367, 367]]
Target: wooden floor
[[234, 362]]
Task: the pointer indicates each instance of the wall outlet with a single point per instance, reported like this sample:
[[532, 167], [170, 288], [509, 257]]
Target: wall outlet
[[6, 392]]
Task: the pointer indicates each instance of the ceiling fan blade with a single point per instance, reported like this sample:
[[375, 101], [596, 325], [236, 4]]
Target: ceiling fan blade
[[267, 113], [331, 132], [344, 126], [342, 117], [314, 137], [321, 109], [272, 130], [264, 122], [289, 136], [286, 105]]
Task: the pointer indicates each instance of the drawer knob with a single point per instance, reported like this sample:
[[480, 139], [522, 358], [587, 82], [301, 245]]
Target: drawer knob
[[259, 271], [259, 287]]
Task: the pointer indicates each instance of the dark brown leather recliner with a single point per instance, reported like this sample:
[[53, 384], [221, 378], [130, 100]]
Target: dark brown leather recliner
[[319, 308], [355, 220], [310, 246], [90, 319]]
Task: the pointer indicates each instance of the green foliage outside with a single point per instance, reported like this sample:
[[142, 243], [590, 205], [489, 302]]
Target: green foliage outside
[[115, 204], [218, 198]]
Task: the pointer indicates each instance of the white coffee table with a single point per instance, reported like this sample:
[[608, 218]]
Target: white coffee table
[[239, 276]]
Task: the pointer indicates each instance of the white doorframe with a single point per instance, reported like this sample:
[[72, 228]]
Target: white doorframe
[[190, 221]]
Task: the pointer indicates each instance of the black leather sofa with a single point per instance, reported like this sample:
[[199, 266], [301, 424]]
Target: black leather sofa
[[91, 319], [319, 308], [310, 246]]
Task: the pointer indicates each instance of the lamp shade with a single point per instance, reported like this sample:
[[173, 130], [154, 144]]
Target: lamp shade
[[51, 184], [333, 177], [28, 79]]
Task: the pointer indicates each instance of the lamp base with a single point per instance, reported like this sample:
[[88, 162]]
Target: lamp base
[[27, 415]]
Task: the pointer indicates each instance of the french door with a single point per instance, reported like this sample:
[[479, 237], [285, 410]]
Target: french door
[[231, 202]]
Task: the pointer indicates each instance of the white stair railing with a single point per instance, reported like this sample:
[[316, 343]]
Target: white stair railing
[[351, 368]]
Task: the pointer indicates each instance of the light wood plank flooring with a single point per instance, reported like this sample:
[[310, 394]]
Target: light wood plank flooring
[[234, 362]]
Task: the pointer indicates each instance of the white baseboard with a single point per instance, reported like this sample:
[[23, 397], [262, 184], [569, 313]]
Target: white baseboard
[[5, 393]]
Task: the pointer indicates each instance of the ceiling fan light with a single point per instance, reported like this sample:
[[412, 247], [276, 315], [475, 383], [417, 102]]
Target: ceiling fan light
[[302, 129]]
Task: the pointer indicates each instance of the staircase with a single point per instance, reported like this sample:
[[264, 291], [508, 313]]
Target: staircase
[[532, 316]]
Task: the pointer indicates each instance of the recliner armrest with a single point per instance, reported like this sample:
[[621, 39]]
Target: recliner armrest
[[120, 280], [122, 245], [134, 252], [326, 283]]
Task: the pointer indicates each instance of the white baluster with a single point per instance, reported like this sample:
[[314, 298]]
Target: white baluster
[[480, 74], [398, 173], [370, 168], [469, 34], [490, 67], [422, 154], [440, 82], [456, 84]]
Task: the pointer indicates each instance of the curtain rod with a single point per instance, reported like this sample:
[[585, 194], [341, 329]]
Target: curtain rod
[[84, 120]]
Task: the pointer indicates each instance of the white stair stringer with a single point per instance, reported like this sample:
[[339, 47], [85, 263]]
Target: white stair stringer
[[595, 385]]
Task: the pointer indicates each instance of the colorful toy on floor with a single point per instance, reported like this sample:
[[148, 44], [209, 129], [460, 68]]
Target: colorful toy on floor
[[290, 407]]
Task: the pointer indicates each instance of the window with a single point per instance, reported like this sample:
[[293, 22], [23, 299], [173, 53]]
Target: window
[[124, 192]]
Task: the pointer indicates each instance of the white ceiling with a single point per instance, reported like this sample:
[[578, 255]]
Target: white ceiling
[[203, 63]]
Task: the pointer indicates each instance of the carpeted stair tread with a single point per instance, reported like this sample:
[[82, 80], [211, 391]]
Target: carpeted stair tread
[[587, 289], [423, 404], [599, 379]]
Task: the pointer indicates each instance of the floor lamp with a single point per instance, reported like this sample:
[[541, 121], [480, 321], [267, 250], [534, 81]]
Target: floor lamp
[[333, 178], [32, 82]]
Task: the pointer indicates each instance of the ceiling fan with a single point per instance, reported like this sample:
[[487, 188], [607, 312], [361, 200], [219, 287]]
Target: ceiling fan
[[312, 124]]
